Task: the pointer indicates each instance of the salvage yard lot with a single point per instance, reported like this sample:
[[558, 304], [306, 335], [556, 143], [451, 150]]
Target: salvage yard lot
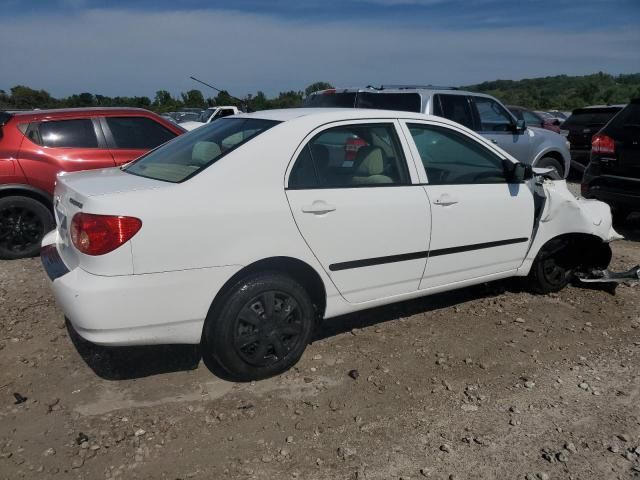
[[487, 382]]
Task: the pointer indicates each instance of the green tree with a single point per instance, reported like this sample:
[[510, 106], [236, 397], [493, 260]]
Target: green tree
[[314, 87], [193, 98]]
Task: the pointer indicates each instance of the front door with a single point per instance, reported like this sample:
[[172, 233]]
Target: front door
[[359, 212], [481, 223]]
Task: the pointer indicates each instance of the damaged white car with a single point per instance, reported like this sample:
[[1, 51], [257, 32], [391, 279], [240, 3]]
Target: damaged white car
[[243, 234]]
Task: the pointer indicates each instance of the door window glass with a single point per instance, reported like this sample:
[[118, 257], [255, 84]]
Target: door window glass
[[351, 156], [78, 133], [137, 132], [451, 158], [453, 107], [531, 119], [493, 117]]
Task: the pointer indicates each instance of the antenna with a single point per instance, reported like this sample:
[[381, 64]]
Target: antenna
[[218, 90]]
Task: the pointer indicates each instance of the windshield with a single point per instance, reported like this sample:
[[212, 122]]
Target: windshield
[[189, 154], [204, 116]]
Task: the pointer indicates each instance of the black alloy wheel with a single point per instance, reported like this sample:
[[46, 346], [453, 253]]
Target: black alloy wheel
[[267, 328], [258, 327], [23, 223]]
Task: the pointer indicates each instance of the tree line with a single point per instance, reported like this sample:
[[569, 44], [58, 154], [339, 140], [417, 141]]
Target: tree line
[[563, 92], [23, 97], [560, 92]]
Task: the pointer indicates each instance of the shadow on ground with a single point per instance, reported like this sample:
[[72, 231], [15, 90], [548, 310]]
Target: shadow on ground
[[125, 363]]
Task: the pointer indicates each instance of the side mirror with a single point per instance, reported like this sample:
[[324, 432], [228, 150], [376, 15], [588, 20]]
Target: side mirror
[[521, 172], [521, 126]]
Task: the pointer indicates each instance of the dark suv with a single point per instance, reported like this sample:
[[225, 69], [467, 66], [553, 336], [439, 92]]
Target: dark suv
[[36, 145], [613, 175], [581, 125]]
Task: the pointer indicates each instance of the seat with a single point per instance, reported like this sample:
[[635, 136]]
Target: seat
[[204, 152], [370, 167]]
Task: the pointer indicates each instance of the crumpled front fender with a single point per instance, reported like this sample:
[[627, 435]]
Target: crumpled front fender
[[564, 214]]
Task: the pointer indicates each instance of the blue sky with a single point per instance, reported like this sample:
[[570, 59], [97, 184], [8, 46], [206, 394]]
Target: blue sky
[[137, 47]]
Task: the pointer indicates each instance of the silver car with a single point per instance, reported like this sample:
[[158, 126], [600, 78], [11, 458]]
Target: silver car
[[482, 113]]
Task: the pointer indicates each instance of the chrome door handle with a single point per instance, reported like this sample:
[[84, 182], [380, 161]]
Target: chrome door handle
[[445, 200], [318, 207]]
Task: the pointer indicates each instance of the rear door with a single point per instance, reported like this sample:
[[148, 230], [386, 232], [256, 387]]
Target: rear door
[[129, 137], [67, 145], [364, 218]]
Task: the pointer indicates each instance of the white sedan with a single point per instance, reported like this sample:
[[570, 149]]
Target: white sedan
[[243, 234]]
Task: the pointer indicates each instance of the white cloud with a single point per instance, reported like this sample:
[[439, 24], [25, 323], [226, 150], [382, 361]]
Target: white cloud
[[135, 53]]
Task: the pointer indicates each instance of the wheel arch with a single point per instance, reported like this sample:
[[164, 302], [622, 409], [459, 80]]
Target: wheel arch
[[301, 271], [16, 189], [584, 249], [556, 155]]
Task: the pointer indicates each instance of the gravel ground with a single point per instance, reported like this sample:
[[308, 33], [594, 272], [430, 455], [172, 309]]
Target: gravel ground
[[486, 382]]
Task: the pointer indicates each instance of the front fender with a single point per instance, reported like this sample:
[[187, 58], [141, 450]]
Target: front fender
[[564, 214]]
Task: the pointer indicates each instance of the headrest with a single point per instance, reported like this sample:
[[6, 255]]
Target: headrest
[[204, 152], [369, 161]]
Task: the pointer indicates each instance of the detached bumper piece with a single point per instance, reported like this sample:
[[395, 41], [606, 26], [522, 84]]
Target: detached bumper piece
[[52, 263], [607, 276]]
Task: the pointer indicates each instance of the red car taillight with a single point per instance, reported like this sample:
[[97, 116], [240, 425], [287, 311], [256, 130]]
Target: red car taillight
[[100, 234], [601, 143]]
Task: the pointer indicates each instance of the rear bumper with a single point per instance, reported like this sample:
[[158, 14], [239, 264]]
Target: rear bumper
[[616, 191], [150, 309]]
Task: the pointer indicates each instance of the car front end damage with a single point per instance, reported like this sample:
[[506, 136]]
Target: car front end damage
[[577, 230]]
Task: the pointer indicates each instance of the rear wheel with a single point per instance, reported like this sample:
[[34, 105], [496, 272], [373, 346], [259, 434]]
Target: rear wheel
[[260, 328], [23, 223], [551, 270], [550, 162]]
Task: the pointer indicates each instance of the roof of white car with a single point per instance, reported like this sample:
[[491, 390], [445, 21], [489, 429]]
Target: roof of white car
[[284, 115]]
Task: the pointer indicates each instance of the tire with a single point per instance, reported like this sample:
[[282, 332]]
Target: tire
[[23, 223], [248, 343], [549, 273], [550, 162]]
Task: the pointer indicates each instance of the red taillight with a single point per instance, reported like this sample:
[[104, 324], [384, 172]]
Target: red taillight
[[601, 143], [100, 234], [328, 91]]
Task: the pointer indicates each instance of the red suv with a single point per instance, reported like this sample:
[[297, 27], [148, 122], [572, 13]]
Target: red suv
[[36, 145]]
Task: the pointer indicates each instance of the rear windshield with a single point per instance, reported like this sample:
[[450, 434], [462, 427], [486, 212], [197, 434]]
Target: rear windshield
[[590, 116], [189, 154], [407, 102]]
